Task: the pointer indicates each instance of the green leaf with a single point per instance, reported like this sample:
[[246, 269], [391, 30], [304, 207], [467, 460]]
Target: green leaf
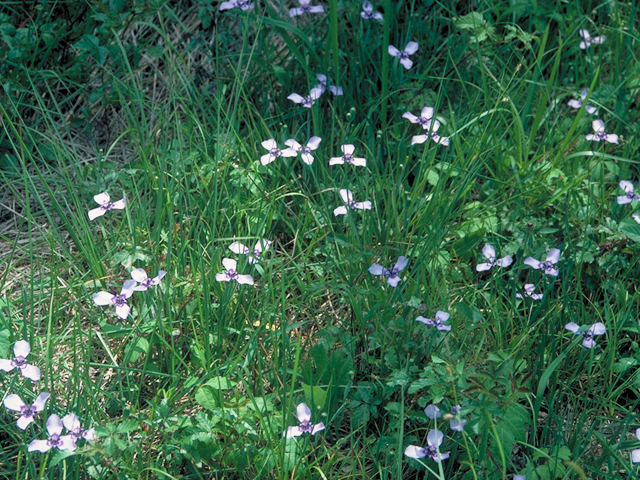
[[624, 364], [631, 230], [221, 383], [315, 396], [5, 344], [291, 455]]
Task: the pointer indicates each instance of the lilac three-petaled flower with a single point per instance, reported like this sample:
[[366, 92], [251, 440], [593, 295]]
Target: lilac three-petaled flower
[[598, 128], [368, 13], [455, 423], [347, 157], [314, 94], [255, 255], [119, 301], [305, 7], [573, 103], [519, 477], [104, 200], [433, 127], [242, 4], [548, 265], [529, 289], [490, 254], [433, 412], [410, 49], [424, 119], [305, 426], [437, 322], [20, 350], [635, 454], [434, 440], [349, 203], [275, 152], [392, 274], [55, 440], [588, 39], [629, 195], [231, 275], [305, 150], [588, 334], [324, 84], [72, 423], [144, 282], [27, 412]]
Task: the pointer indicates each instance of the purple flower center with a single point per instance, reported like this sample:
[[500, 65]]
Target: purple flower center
[[306, 426], [432, 452], [28, 411], [305, 149], [232, 274], [119, 300], [403, 55], [307, 101], [348, 157], [243, 4], [547, 266], [600, 135], [146, 283], [305, 8], [19, 361], [423, 121], [54, 440], [107, 206], [274, 152]]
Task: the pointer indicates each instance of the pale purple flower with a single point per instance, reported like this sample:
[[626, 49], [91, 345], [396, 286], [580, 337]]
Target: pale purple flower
[[636, 217], [72, 423], [588, 334], [434, 125], [573, 103], [519, 477], [433, 412], [588, 39], [20, 350], [349, 204], [434, 440], [275, 152], [548, 265], [255, 255], [635, 454], [305, 7], [410, 49], [27, 412], [119, 301], [61, 442], [231, 274], [490, 254], [322, 78], [305, 426], [392, 275], [314, 94], [528, 292], [455, 423], [305, 150], [104, 200], [242, 4], [144, 282], [367, 12], [629, 195], [424, 119], [598, 128], [438, 322], [347, 157]]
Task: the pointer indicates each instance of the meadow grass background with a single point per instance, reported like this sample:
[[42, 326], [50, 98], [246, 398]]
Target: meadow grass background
[[168, 102]]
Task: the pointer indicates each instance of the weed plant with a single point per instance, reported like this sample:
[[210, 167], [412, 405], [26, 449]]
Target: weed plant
[[305, 351]]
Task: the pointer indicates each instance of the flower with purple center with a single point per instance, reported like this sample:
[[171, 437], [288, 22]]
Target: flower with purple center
[[350, 204], [434, 125], [635, 454], [424, 119], [490, 254], [72, 423], [438, 322], [104, 200], [322, 78], [231, 275], [573, 103], [20, 350], [119, 301], [368, 13], [275, 152], [27, 412], [305, 150], [305, 7], [588, 39], [529, 288], [548, 265], [392, 274], [587, 334], [55, 440], [629, 195], [455, 423], [303, 412], [347, 157], [598, 128], [434, 440], [410, 49], [255, 255], [314, 94], [244, 5], [144, 282]]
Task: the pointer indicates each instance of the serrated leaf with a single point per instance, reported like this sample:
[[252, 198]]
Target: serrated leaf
[[420, 384]]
